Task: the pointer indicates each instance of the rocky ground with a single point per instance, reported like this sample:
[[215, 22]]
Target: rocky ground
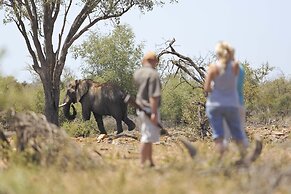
[[110, 164]]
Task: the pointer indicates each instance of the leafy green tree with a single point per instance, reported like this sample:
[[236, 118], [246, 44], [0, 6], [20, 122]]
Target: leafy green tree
[[274, 100], [44, 25], [254, 79], [251, 87], [112, 57]]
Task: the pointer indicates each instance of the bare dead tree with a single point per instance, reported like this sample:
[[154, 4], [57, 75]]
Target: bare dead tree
[[184, 63], [195, 77]]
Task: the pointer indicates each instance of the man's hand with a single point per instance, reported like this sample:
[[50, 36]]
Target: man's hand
[[154, 118]]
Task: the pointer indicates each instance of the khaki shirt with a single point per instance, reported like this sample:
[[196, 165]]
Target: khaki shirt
[[149, 85]]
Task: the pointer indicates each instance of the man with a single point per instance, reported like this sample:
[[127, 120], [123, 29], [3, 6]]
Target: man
[[149, 98]]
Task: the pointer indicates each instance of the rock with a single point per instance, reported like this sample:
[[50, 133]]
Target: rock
[[101, 137], [46, 144], [278, 133]]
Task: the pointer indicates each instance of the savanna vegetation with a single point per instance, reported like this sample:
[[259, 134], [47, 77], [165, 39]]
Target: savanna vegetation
[[49, 29], [117, 169], [39, 157]]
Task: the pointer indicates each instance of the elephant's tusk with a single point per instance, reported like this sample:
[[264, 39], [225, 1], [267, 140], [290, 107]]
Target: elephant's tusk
[[61, 105]]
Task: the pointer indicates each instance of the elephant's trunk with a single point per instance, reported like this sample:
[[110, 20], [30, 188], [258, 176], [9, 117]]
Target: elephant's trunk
[[66, 110]]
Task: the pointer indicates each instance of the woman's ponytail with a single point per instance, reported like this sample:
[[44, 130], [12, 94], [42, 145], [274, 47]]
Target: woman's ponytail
[[224, 52]]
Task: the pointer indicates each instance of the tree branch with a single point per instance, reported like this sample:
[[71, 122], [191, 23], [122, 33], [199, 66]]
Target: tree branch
[[104, 17], [79, 20], [63, 29], [172, 51], [188, 72], [56, 10], [34, 27], [21, 27]]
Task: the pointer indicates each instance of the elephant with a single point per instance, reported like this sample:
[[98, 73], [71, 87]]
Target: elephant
[[101, 99]]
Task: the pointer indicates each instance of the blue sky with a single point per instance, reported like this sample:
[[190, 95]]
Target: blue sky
[[259, 30]]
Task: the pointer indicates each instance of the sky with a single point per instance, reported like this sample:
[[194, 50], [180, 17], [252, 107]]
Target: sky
[[259, 30]]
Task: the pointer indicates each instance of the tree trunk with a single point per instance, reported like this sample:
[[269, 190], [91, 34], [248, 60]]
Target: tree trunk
[[51, 89], [51, 109]]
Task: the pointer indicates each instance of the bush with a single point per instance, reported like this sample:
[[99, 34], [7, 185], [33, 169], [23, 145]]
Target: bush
[[79, 128], [20, 96], [181, 102], [273, 103]]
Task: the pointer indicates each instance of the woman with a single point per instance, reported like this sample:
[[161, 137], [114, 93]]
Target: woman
[[223, 100], [240, 89]]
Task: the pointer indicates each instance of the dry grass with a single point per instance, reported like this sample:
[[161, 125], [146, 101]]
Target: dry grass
[[119, 171]]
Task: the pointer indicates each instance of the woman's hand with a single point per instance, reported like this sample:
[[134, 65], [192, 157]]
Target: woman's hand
[[210, 75]]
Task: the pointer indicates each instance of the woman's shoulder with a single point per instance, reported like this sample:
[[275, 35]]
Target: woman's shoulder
[[236, 63], [236, 67], [212, 68]]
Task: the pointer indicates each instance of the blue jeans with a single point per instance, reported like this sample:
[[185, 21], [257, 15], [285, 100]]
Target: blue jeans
[[216, 114]]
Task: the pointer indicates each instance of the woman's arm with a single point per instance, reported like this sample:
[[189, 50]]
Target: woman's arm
[[235, 67], [209, 78]]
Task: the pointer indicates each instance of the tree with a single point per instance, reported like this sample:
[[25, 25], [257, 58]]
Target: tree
[[48, 45], [112, 57], [273, 102], [191, 72], [254, 80]]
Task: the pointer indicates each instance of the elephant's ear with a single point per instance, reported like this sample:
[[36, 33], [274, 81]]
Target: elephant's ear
[[81, 89]]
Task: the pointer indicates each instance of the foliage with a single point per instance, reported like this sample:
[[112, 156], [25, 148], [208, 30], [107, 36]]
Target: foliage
[[175, 98], [80, 128], [274, 100], [20, 96], [112, 57], [48, 37], [183, 104], [266, 100], [254, 77]]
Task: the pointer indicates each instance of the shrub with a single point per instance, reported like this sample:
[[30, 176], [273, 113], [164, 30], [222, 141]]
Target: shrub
[[20, 96], [181, 103], [79, 128]]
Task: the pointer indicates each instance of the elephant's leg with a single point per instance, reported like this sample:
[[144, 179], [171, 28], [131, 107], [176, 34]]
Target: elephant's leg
[[100, 123], [130, 124], [119, 125], [86, 113]]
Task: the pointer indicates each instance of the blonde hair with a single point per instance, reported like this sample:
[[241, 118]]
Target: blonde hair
[[225, 53], [150, 57]]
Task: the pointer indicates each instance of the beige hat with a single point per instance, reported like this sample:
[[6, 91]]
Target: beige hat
[[150, 56]]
